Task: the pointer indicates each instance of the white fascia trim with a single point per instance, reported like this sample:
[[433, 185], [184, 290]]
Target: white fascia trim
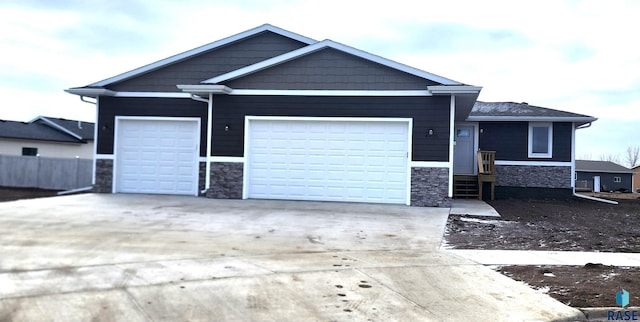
[[56, 126], [454, 89], [535, 163], [205, 89], [227, 159], [530, 119], [95, 92], [153, 94], [430, 164], [328, 44], [90, 92], [330, 92], [324, 119], [201, 49], [105, 156]]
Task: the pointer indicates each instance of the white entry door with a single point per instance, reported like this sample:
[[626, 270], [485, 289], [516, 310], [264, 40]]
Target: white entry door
[[157, 155], [360, 161]]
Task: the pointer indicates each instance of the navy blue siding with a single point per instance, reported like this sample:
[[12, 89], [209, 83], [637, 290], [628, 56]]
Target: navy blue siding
[[109, 107], [510, 141], [331, 69], [427, 113], [607, 180], [210, 64]]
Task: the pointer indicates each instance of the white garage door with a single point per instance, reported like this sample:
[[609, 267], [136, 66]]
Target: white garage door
[[360, 161], [157, 155]]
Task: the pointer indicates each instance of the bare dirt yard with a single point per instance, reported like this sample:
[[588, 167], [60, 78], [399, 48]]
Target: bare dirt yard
[[575, 225]]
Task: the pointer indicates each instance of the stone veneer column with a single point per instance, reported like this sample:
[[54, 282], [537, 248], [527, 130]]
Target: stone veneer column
[[226, 180], [104, 176], [430, 187]]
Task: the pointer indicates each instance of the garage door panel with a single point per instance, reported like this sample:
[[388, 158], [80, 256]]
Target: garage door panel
[[325, 160], [157, 156]]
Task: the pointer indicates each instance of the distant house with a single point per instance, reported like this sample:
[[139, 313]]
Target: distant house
[[636, 179], [601, 176], [47, 137]]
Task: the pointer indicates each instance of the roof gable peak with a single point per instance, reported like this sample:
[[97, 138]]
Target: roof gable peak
[[327, 43], [202, 49]]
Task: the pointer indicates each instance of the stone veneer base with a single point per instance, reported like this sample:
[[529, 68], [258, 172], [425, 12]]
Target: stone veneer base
[[430, 187], [226, 180]]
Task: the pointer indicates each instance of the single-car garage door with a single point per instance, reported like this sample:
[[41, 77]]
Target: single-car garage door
[[320, 159], [157, 155]]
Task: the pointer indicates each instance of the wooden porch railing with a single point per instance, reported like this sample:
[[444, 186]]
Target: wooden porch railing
[[486, 171]]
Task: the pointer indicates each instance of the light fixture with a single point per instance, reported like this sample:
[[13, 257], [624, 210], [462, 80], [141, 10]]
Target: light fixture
[[226, 128], [430, 132]]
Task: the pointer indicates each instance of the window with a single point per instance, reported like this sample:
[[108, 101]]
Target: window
[[540, 140], [30, 151], [617, 179]]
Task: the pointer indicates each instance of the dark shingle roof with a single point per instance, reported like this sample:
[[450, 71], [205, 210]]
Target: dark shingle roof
[[522, 111], [600, 166], [82, 129], [33, 131], [48, 129]]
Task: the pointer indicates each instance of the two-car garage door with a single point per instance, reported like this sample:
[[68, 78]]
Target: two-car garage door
[[319, 159]]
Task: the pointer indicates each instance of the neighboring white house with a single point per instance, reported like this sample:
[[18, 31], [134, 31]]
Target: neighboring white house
[[47, 137]]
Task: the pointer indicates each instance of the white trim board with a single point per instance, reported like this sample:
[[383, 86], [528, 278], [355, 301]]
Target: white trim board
[[430, 164], [535, 163], [227, 159], [331, 92], [202, 49], [323, 45]]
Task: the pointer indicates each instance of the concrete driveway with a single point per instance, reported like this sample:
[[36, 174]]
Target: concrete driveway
[[99, 257]]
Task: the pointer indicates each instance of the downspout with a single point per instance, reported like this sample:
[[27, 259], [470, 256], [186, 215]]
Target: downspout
[[573, 163], [95, 147], [207, 176]]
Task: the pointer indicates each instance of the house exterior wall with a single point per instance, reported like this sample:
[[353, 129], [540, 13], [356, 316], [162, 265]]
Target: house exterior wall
[[510, 141], [636, 179], [427, 113], [110, 107], [210, 64], [607, 180], [48, 149], [331, 69]]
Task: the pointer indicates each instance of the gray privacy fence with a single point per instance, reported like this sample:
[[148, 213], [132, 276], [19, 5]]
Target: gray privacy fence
[[45, 173]]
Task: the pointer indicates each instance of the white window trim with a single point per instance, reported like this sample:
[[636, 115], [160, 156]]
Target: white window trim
[[617, 179], [550, 141]]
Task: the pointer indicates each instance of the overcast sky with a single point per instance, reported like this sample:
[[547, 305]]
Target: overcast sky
[[578, 56]]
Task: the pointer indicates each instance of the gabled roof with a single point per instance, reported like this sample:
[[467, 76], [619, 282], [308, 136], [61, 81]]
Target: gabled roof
[[510, 111], [47, 129], [600, 166], [323, 45], [78, 129], [200, 50]]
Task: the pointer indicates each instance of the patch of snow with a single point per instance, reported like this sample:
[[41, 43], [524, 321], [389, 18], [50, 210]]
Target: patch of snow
[[609, 275], [544, 289], [549, 274], [483, 221]]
